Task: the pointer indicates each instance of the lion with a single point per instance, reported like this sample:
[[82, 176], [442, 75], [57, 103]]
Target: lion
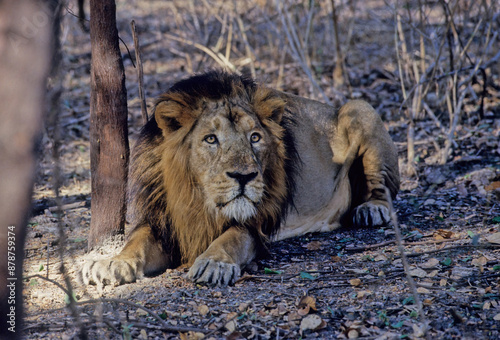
[[225, 166]]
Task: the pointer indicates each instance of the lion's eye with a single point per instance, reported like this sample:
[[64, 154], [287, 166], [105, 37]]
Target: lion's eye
[[211, 139], [255, 137]]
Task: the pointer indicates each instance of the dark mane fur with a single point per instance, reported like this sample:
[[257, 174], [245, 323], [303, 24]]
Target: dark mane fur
[[147, 193]]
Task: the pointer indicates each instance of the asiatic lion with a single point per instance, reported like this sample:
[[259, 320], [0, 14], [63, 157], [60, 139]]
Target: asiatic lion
[[226, 165]]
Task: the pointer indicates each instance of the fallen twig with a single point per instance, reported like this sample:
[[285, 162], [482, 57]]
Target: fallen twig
[[48, 280], [377, 245], [140, 73], [69, 206]]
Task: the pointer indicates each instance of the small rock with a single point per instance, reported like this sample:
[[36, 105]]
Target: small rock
[[429, 201], [418, 272], [313, 322]]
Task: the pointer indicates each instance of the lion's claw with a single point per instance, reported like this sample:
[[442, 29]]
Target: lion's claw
[[109, 272], [213, 273], [370, 214]]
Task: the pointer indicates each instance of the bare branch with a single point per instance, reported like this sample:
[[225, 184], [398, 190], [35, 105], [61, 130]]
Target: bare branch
[[140, 73]]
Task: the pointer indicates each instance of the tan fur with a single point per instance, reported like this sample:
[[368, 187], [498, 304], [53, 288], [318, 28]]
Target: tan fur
[[226, 165], [194, 226]]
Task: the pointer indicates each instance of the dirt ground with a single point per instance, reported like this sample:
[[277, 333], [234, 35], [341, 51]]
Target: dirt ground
[[346, 284]]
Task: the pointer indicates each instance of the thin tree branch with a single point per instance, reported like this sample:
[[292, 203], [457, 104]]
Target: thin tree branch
[[140, 73]]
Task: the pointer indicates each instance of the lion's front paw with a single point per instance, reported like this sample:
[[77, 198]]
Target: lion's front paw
[[371, 214], [211, 272], [110, 272]]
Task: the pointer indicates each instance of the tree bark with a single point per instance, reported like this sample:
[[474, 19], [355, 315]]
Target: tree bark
[[109, 150], [25, 58]]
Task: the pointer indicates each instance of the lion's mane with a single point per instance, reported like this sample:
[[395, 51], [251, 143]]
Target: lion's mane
[[163, 191]]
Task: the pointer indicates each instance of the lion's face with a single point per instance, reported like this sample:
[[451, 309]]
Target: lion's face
[[229, 153], [230, 143]]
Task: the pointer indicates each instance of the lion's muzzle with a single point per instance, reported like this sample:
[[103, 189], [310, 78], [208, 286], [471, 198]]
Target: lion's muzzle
[[241, 202], [242, 179]]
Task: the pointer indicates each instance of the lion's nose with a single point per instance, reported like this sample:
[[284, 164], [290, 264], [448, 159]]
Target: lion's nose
[[242, 179]]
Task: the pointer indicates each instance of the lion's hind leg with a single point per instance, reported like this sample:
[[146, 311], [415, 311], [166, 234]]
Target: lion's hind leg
[[373, 174], [371, 204], [142, 255]]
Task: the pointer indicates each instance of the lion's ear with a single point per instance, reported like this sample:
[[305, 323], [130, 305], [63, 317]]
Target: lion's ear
[[269, 105], [173, 113]]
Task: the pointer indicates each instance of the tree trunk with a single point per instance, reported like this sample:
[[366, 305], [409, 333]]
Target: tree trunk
[[109, 150], [25, 59]]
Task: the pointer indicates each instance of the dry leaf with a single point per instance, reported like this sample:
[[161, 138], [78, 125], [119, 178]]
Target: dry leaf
[[313, 322], [355, 282], [479, 261], [443, 282], [191, 335], [427, 302], [243, 307], [433, 273], [494, 238], [309, 301], [303, 311], [293, 316], [497, 317], [493, 186], [431, 263], [313, 245], [306, 304], [418, 272], [231, 315], [364, 293], [443, 234], [281, 309], [141, 312], [423, 290], [203, 310], [439, 246], [231, 325], [380, 257], [262, 3], [195, 335]]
